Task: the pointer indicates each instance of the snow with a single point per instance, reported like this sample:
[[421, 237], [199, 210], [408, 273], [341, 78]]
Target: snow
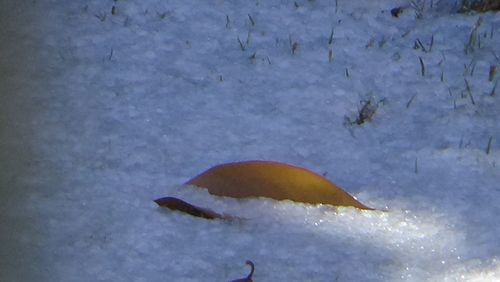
[[101, 113]]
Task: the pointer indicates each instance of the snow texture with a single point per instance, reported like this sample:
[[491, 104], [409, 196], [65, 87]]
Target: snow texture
[[107, 105]]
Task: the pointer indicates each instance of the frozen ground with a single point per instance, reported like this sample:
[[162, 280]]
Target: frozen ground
[[101, 113]]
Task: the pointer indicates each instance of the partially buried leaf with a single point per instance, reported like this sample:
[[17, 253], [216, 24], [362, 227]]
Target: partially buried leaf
[[273, 180], [249, 276], [182, 206]]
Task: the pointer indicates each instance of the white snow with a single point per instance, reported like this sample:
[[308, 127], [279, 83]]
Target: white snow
[[101, 113]]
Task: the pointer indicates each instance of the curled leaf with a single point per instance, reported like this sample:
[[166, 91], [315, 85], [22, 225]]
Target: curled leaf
[[182, 206], [249, 276], [274, 180], [396, 12]]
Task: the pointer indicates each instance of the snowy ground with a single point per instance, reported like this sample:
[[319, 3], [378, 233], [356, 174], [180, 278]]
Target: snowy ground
[[101, 113]]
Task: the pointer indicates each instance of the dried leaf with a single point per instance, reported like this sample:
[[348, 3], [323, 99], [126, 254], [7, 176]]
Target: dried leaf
[[182, 206], [396, 12], [274, 180], [249, 276]]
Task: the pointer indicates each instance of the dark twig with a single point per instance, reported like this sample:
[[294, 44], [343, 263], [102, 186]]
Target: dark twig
[[251, 20], [422, 66], [241, 44], [411, 100], [467, 87], [488, 148]]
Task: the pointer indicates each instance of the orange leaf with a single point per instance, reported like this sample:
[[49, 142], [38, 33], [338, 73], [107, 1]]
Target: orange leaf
[[273, 180]]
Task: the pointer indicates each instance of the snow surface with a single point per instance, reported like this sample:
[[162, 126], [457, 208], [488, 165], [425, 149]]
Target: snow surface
[[101, 113]]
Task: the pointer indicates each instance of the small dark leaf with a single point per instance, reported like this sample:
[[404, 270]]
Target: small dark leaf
[[249, 276], [367, 112], [396, 12], [182, 206]]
